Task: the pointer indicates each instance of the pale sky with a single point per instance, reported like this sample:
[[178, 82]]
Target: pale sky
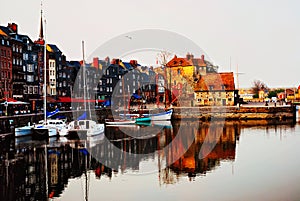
[[262, 37]]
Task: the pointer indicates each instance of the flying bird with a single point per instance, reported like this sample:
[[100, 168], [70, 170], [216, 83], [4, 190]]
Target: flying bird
[[129, 37]]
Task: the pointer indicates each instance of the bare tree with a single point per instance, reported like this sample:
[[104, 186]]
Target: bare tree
[[257, 86], [163, 57]]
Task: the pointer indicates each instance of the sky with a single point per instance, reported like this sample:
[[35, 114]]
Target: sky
[[260, 39]]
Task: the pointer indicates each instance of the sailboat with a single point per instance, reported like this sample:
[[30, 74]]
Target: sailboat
[[84, 127], [44, 130]]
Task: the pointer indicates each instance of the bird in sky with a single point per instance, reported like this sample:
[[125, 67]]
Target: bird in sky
[[129, 37]]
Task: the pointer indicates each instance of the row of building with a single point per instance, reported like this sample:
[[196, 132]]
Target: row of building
[[184, 81]]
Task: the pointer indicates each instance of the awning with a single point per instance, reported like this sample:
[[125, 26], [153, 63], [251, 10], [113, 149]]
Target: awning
[[65, 99], [11, 101], [136, 96]]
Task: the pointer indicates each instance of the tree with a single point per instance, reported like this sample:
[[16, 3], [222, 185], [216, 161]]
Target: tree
[[257, 86], [163, 57], [274, 93]]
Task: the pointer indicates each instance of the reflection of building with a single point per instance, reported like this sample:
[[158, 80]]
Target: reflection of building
[[219, 144]]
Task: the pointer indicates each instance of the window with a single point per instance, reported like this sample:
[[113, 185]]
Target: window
[[2, 42], [25, 90], [35, 90], [211, 87], [30, 68], [30, 78], [30, 90]]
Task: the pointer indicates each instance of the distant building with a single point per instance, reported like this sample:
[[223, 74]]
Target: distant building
[[216, 89], [5, 65], [197, 81]]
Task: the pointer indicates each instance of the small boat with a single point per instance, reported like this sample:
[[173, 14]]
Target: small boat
[[167, 115], [23, 131], [119, 121], [54, 126], [142, 119]]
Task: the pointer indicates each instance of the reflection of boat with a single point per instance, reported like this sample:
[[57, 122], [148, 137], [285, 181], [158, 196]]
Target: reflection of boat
[[166, 124], [84, 128], [23, 131], [94, 140]]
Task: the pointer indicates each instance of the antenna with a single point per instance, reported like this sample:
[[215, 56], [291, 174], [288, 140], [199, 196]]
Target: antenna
[[237, 76], [230, 63]]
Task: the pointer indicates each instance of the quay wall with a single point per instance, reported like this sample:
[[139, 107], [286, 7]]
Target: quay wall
[[236, 113], [180, 113]]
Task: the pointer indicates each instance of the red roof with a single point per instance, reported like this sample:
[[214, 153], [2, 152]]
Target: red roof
[[216, 80], [188, 61]]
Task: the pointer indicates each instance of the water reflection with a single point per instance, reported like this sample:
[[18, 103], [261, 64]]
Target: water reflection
[[122, 150]]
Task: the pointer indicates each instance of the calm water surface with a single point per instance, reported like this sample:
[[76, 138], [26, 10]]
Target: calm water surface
[[254, 160]]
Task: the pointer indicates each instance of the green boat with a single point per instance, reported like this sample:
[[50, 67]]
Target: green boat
[[142, 119]]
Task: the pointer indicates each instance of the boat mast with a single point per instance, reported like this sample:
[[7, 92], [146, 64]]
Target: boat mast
[[45, 69], [83, 75]]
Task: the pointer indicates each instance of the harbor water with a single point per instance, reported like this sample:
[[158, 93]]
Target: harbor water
[[182, 160]]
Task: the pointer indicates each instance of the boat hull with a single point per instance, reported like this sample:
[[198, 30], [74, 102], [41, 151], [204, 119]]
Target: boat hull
[[120, 122], [23, 131], [163, 116]]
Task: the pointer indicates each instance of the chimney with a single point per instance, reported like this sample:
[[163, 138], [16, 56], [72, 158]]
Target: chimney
[[13, 27], [133, 63], [188, 56], [96, 62]]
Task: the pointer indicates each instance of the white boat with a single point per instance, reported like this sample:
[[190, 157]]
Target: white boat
[[23, 131], [54, 126], [84, 128], [119, 121], [163, 123], [167, 115]]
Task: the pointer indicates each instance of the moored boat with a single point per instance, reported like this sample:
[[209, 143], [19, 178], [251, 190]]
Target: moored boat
[[119, 121], [167, 115], [84, 128]]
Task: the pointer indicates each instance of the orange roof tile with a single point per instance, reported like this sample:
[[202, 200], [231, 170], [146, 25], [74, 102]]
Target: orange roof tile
[[179, 62], [216, 80]]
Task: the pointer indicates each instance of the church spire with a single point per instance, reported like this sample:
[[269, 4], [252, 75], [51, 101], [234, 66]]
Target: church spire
[[41, 40], [41, 37]]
